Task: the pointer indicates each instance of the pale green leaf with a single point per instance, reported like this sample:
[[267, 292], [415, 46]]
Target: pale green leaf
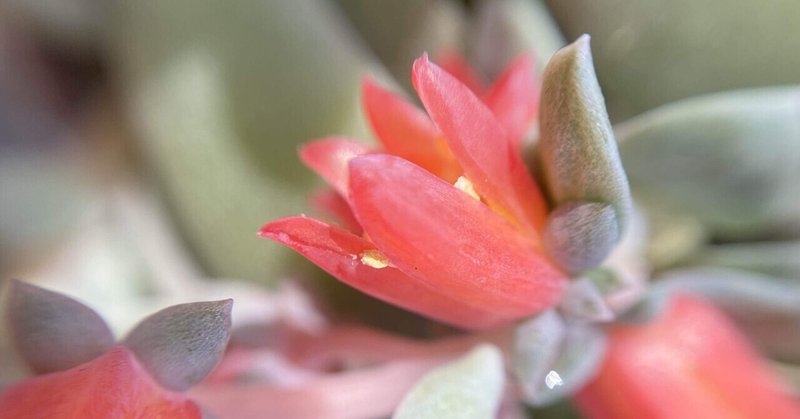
[[551, 358], [468, 388], [731, 160]]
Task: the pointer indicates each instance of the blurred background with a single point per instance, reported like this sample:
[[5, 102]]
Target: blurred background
[[143, 144]]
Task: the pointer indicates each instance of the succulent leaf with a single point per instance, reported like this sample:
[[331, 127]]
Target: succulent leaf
[[552, 358], [732, 159], [579, 235], [468, 388], [579, 157], [53, 332], [180, 345]]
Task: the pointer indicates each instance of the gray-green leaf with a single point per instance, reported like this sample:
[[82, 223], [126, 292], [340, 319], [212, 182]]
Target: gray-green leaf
[[583, 300], [732, 160], [181, 344], [578, 153], [468, 388], [579, 235], [552, 358], [51, 331]]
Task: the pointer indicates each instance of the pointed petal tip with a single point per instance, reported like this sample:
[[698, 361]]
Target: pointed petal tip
[[328, 157], [276, 230], [420, 65]]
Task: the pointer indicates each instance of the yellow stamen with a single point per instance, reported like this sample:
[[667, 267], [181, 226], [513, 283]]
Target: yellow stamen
[[465, 185], [374, 259]]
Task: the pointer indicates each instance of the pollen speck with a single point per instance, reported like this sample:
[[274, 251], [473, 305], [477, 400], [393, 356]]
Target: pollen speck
[[465, 185], [374, 259]]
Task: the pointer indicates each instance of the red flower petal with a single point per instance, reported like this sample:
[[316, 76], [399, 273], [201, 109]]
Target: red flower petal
[[339, 253], [328, 157], [481, 145], [458, 67], [514, 99], [112, 386], [690, 362], [330, 202], [406, 131], [453, 243]]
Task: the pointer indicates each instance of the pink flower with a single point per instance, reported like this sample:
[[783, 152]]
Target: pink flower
[[451, 218], [689, 362], [113, 385]]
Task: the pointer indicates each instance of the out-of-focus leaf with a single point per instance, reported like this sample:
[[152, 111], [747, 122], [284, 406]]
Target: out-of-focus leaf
[[766, 308], [579, 158], [777, 258], [506, 28], [731, 160], [44, 199], [221, 95], [77, 26], [673, 236], [652, 52], [46, 190], [400, 31], [51, 331], [468, 388], [584, 301], [535, 348], [181, 344], [551, 358]]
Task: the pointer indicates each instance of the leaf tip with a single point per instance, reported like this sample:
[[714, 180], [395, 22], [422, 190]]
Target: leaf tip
[[40, 320]]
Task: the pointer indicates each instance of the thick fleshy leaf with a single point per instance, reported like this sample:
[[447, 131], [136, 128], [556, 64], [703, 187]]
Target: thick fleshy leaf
[[579, 154], [730, 160], [51, 331], [342, 254], [481, 145], [407, 132], [778, 258], [220, 118], [583, 299], [535, 349], [440, 235], [580, 234], [652, 52], [468, 388], [514, 99], [689, 362], [579, 356], [329, 156], [112, 386], [180, 345]]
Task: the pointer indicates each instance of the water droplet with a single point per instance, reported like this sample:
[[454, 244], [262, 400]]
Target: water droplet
[[553, 380]]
